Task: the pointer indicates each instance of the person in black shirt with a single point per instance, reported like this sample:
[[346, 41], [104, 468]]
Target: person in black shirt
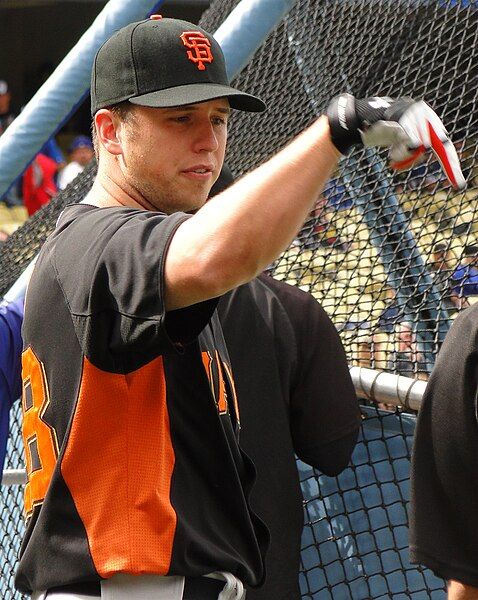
[[444, 476], [300, 401], [137, 484]]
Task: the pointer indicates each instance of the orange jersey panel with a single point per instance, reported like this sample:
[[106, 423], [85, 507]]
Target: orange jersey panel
[[118, 466]]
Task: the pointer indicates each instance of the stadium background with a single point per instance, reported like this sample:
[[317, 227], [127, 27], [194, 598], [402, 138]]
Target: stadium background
[[367, 247]]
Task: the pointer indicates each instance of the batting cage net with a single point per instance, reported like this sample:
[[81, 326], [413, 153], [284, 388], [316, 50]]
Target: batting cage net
[[391, 257]]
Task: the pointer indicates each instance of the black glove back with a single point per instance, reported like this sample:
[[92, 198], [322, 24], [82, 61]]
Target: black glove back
[[406, 126]]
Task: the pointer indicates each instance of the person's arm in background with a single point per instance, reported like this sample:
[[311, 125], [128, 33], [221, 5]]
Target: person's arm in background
[[324, 410], [11, 317]]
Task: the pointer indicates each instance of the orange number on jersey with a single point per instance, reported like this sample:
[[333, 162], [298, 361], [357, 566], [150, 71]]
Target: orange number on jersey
[[39, 439], [221, 399]]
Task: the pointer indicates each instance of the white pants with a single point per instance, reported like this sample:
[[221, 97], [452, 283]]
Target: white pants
[[148, 587]]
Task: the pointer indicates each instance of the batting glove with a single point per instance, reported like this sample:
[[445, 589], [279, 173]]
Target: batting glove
[[406, 126]]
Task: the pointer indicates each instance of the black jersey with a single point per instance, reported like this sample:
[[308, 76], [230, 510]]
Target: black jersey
[[444, 478], [130, 418], [296, 395]]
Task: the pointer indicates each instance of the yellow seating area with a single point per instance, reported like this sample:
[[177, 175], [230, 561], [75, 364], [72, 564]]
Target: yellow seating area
[[352, 284], [11, 218]]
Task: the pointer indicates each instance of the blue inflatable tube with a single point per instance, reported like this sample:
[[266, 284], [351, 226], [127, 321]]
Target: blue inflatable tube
[[246, 28]]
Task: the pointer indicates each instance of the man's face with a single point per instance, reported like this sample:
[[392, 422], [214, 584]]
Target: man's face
[[439, 259], [172, 156], [82, 155], [405, 335]]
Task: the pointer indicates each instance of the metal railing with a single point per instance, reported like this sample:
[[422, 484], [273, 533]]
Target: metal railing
[[376, 386]]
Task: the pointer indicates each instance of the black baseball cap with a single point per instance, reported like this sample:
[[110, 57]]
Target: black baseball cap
[[163, 63]]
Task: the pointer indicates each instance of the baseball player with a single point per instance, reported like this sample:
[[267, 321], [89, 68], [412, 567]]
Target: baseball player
[[137, 485]]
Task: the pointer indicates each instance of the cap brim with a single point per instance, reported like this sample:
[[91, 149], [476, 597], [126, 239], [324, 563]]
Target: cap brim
[[199, 92]]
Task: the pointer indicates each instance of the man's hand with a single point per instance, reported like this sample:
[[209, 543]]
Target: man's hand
[[408, 127]]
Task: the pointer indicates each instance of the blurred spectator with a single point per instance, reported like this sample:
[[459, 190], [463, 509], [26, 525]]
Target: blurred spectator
[[322, 231], [391, 313], [362, 353], [6, 116], [441, 272], [336, 195], [80, 153], [12, 196], [425, 176], [465, 276], [397, 351], [406, 359], [39, 185]]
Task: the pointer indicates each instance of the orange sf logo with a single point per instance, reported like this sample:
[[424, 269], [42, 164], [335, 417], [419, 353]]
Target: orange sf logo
[[200, 52]]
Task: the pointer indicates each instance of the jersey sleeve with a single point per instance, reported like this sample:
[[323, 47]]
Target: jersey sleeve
[[444, 480], [323, 404], [110, 266], [11, 317]]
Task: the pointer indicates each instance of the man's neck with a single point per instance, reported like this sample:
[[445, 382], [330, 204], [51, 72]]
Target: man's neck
[[106, 193]]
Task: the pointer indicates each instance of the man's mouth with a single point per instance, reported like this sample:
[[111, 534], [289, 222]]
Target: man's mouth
[[200, 171]]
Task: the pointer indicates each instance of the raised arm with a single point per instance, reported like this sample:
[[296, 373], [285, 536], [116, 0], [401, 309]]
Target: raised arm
[[238, 233]]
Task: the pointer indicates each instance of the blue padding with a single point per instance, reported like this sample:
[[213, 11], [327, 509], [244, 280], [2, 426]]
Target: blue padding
[[59, 96], [246, 28], [355, 539]]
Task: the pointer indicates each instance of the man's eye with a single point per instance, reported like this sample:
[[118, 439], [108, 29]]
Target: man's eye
[[182, 119], [219, 121]]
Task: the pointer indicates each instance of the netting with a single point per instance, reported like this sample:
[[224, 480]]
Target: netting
[[366, 251], [390, 257], [355, 539]]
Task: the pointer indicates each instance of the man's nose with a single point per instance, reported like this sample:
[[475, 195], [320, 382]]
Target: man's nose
[[206, 138]]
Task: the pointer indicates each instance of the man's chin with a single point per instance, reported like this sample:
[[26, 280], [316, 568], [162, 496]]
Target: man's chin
[[180, 205], [190, 205]]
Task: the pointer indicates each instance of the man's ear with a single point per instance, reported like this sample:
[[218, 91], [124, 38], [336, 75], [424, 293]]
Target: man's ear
[[108, 126]]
